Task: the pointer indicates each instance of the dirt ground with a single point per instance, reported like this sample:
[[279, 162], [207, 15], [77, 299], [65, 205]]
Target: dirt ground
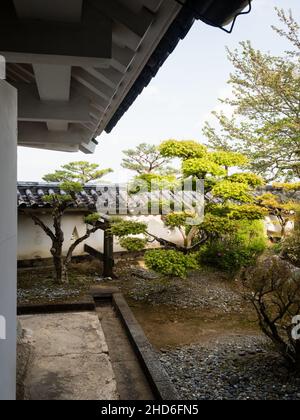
[[169, 327], [172, 312]]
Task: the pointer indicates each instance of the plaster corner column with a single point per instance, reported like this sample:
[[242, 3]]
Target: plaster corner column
[[8, 240]]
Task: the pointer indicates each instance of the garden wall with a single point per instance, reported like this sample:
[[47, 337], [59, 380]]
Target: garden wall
[[34, 244]]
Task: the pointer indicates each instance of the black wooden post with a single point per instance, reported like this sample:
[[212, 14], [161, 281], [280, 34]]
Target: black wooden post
[[108, 256]]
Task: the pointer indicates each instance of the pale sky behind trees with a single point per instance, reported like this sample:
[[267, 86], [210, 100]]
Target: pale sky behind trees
[[181, 97]]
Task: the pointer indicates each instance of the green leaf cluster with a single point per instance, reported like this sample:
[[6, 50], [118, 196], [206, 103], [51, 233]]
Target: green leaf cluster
[[265, 96], [201, 167], [80, 172], [249, 178], [133, 244], [128, 227], [239, 248], [229, 190], [92, 219], [170, 263], [229, 159], [183, 149], [177, 219], [217, 225]]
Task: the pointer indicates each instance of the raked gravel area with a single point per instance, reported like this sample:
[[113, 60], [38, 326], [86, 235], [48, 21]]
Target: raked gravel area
[[234, 368]]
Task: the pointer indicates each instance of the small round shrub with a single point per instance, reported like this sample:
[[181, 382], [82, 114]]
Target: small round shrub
[[133, 244], [170, 262]]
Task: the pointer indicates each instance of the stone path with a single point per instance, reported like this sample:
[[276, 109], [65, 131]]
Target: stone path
[[70, 358]]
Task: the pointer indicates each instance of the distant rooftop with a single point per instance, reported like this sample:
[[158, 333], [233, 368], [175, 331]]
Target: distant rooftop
[[110, 198]]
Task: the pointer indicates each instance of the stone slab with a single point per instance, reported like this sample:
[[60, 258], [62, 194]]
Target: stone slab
[[71, 360]]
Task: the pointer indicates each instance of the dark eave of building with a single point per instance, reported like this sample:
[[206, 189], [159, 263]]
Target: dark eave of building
[[214, 12]]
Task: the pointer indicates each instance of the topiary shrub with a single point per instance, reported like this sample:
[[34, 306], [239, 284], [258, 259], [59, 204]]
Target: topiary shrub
[[238, 249], [128, 227], [133, 244], [170, 263]]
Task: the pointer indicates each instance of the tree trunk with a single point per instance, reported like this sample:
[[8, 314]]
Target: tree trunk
[[60, 275], [60, 271], [57, 249]]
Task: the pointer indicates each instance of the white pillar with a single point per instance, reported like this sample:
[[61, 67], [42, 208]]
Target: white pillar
[[8, 239]]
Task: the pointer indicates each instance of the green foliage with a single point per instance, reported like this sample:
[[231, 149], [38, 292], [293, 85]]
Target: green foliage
[[217, 225], [115, 219], [248, 178], [57, 199], [238, 249], [237, 211], [78, 172], [71, 179], [229, 159], [57, 176], [275, 204], [128, 227], [229, 190], [133, 244], [200, 167], [154, 182], [289, 186], [92, 219], [269, 200], [170, 263], [184, 149], [177, 219], [209, 183], [247, 212], [147, 159], [71, 187], [265, 100]]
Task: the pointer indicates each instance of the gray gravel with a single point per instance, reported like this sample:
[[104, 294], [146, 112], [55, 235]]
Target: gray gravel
[[44, 293], [201, 291], [235, 368]]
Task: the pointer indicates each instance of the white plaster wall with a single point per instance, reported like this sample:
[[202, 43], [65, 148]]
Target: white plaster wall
[[273, 226], [33, 243], [8, 240]]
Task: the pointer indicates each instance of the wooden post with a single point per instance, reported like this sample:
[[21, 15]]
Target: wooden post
[[108, 257]]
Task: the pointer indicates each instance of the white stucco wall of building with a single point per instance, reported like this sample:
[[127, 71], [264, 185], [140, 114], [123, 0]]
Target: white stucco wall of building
[[8, 240]]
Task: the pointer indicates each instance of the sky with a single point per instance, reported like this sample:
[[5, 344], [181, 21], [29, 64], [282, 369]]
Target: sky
[[179, 100]]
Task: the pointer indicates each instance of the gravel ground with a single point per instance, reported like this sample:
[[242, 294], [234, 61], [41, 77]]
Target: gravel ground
[[46, 294], [234, 368], [201, 290]]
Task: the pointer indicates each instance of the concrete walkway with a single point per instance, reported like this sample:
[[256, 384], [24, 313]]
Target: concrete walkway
[[70, 358]]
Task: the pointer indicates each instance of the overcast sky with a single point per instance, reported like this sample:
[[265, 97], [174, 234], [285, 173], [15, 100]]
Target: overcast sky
[[179, 99]]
